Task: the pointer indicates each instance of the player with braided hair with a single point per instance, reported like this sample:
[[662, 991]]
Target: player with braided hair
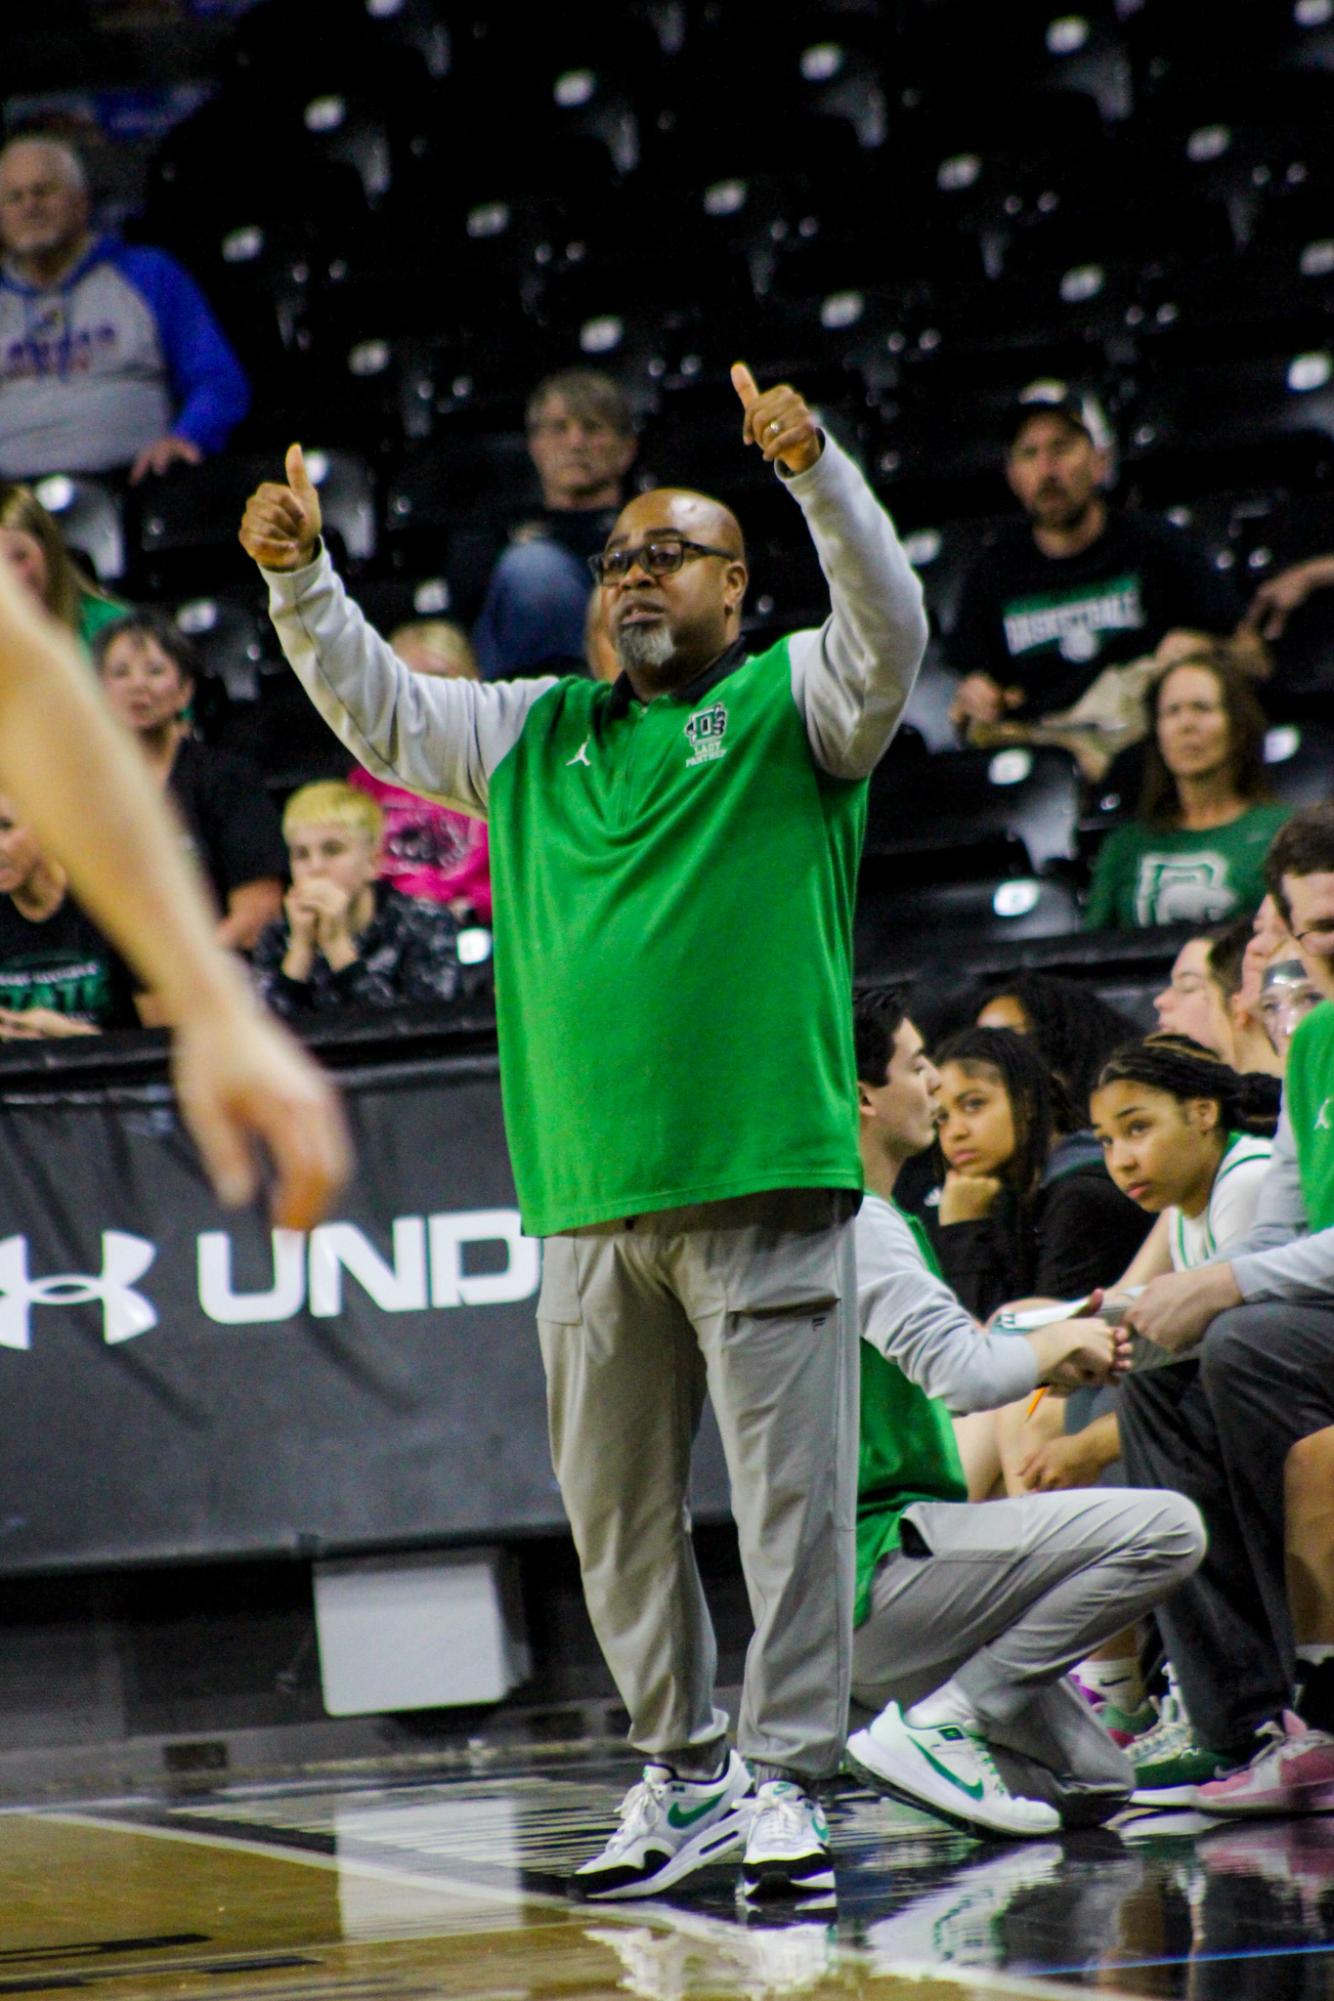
[[1188, 1138]]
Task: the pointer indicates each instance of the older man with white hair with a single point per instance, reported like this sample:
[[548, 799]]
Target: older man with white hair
[[110, 357]]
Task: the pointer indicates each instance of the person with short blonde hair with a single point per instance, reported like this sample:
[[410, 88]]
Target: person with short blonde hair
[[346, 939]]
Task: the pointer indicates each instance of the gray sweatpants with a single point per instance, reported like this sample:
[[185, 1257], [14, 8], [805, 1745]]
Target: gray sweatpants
[[755, 1301], [1005, 1596]]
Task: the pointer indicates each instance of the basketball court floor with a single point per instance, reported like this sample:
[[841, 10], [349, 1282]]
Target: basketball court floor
[[442, 1874]]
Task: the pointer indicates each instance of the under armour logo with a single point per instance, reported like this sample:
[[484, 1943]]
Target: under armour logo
[[1322, 1124], [125, 1312], [580, 756]]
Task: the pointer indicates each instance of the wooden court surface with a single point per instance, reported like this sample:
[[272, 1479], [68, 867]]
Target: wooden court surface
[[450, 1885]]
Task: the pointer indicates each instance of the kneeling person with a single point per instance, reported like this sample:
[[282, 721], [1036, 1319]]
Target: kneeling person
[[968, 1616]]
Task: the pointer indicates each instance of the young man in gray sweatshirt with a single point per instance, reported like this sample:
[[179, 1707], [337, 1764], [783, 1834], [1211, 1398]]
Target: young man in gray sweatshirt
[[968, 1616]]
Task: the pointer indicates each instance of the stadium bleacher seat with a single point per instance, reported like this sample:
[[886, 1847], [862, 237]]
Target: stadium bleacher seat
[[91, 520], [975, 800], [233, 640], [1028, 43], [1299, 763], [904, 924]]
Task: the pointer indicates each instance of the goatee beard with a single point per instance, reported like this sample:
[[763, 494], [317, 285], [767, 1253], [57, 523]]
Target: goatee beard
[[646, 645]]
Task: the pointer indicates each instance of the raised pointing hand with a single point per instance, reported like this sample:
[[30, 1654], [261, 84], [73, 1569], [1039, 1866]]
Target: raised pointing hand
[[777, 421], [281, 524]]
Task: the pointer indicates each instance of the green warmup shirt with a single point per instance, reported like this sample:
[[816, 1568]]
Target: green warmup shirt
[[1165, 875], [1308, 1094], [907, 1451], [673, 880], [922, 1356]]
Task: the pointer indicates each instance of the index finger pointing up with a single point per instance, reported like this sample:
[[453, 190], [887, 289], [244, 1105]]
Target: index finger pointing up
[[745, 384]]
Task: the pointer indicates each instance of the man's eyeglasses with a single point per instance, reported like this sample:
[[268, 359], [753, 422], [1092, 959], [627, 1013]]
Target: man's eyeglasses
[[660, 558]]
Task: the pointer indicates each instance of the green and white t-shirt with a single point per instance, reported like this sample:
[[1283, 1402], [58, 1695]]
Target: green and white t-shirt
[[1230, 1210], [1152, 875], [673, 880]]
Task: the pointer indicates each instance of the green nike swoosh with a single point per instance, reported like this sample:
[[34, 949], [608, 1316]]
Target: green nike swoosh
[[686, 1816], [974, 1792]]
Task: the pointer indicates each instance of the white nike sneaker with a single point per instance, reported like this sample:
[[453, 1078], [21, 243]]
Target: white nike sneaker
[[669, 1828], [948, 1768], [787, 1847]]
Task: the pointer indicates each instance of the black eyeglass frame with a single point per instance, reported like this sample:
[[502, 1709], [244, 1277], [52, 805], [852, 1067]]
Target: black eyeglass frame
[[625, 559]]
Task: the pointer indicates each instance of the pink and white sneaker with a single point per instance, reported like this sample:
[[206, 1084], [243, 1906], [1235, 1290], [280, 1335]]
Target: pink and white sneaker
[[1292, 1772]]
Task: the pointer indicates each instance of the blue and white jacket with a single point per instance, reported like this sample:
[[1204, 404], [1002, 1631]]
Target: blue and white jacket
[[121, 351]]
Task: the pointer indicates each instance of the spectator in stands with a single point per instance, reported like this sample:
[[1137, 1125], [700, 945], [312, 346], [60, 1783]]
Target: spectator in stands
[[1188, 1141], [1205, 1001], [1078, 588], [582, 440], [429, 850], [110, 358], [149, 674], [1027, 1205], [344, 939], [58, 974], [1194, 1003], [1287, 995], [33, 546], [1226, 1420], [967, 1619], [1195, 851], [1235, 967], [1073, 1029]]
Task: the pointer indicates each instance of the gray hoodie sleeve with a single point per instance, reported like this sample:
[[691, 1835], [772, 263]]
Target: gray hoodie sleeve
[[915, 1321], [1280, 1257], [851, 680], [441, 738]]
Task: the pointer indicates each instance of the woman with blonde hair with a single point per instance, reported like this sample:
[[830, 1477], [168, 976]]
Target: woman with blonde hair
[[33, 546]]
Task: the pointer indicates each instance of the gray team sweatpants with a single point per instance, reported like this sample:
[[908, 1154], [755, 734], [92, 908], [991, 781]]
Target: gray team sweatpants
[[754, 1300], [1005, 1596]]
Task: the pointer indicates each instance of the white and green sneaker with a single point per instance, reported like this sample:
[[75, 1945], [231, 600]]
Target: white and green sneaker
[[668, 1829], [787, 1847], [1169, 1760], [948, 1768]]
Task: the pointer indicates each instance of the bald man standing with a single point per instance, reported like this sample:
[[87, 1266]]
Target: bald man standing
[[675, 859]]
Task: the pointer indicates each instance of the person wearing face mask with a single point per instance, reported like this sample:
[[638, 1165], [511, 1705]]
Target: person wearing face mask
[[1195, 851]]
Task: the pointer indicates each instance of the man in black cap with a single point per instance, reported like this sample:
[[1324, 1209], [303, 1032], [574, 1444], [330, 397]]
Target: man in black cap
[[1078, 587]]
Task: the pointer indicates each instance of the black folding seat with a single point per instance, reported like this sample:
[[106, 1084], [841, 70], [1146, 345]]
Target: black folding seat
[[1299, 761], [232, 637], [938, 927], [91, 518], [942, 554], [1266, 419], [1020, 801], [459, 478], [978, 162], [1027, 44]]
